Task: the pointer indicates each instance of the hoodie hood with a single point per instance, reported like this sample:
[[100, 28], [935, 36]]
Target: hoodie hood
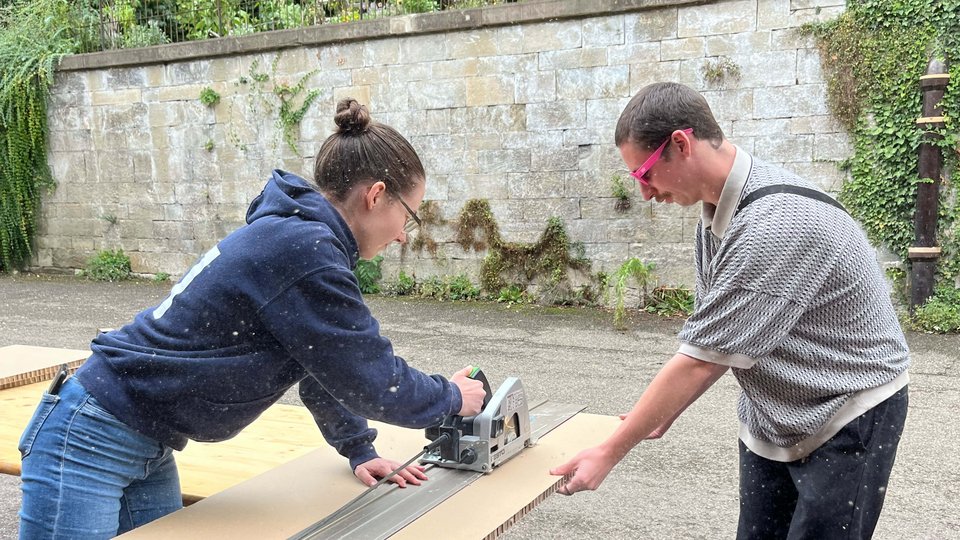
[[287, 195]]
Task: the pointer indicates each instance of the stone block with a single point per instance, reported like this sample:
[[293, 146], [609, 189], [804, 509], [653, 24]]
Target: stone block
[[791, 101], [681, 49], [651, 25], [825, 174], [648, 73], [367, 75], [359, 93], [534, 185], [380, 52], [68, 118], [809, 69], [118, 117], [759, 128], [800, 17], [552, 36], [738, 44], [587, 136], [438, 94], [122, 78], [815, 124], [785, 148], [791, 38], [438, 121], [491, 90], [555, 158], [449, 69], [556, 115], [605, 110], [541, 210], [449, 163], [477, 186], [410, 123], [493, 119], [473, 44], [423, 48], [727, 17], [593, 83], [222, 69], [389, 97], [814, 4], [603, 31], [188, 73], [408, 73], [535, 87], [773, 14], [180, 93], [832, 147], [587, 185], [774, 68], [509, 40], [338, 56], [607, 256], [116, 97], [489, 141], [572, 58], [511, 64], [496, 161], [634, 53]]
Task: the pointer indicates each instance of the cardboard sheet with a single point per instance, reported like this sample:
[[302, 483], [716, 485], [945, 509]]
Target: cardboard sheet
[[23, 364], [282, 433], [289, 498]]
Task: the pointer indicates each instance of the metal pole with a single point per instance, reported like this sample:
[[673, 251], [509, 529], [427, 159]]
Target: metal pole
[[925, 253], [220, 19]]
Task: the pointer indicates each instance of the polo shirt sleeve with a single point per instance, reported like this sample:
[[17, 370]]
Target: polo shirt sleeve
[[766, 271]]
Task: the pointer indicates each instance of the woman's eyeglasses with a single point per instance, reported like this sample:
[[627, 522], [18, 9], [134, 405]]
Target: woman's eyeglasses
[[413, 220]]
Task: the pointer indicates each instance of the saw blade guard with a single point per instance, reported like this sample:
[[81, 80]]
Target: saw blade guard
[[481, 442]]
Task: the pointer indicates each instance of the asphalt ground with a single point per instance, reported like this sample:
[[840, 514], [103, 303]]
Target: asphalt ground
[[681, 486]]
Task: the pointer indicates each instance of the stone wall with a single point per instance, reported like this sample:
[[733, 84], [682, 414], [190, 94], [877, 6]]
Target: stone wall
[[514, 103]]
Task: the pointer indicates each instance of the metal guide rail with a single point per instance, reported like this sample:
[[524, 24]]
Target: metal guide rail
[[382, 514]]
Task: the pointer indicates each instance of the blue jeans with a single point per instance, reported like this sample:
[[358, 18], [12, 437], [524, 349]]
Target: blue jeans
[[835, 492], [88, 475]]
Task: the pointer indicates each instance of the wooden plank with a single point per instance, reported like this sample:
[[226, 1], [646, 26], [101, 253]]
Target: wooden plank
[[24, 364], [289, 498]]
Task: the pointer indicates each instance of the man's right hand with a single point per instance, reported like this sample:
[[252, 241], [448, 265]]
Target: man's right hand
[[471, 392]]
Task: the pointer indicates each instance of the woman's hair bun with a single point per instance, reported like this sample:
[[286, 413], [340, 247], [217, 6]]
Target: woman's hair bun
[[352, 117]]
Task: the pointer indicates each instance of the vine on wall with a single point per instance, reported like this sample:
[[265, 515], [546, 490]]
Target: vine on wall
[[874, 55], [34, 35]]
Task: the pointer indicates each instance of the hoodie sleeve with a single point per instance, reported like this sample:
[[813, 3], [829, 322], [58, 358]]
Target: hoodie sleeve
[[343, 430], [323, 323]]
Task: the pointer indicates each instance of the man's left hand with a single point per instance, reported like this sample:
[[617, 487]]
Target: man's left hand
[[369, 472]]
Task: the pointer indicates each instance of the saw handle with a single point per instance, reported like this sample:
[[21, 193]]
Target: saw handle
[[477, 375]]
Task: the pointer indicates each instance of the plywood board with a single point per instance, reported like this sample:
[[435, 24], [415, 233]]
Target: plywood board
[[291, 497], [24, 364]]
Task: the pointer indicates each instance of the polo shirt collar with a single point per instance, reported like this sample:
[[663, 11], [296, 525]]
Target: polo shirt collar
[[717, 217]]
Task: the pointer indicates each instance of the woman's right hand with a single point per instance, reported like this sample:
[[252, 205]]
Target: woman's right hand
[[471, 392]]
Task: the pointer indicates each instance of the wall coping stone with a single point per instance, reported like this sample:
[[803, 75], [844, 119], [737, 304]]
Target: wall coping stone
[[406, 25]]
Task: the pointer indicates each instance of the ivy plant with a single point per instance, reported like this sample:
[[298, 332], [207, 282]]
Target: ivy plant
[[34, 35], [873, 55]]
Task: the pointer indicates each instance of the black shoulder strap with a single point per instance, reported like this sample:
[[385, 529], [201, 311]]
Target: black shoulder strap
[[786, 188]]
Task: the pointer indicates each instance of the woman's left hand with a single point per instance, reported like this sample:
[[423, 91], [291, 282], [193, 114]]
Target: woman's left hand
[[369, 472]]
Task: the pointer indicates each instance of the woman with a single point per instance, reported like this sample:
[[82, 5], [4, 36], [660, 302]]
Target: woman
[[273, 304]]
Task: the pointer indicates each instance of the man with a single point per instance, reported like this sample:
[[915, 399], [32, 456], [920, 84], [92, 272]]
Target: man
[[790, 298]]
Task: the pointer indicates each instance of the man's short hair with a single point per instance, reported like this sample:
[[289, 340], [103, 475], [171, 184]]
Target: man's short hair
[[659, 109]]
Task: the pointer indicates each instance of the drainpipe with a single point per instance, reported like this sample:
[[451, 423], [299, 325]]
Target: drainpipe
[[924, 253]]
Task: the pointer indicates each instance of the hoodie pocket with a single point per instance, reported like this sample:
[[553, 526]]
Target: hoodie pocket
[[47, 403]]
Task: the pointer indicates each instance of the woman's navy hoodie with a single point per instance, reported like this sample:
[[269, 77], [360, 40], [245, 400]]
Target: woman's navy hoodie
[[273, 304]]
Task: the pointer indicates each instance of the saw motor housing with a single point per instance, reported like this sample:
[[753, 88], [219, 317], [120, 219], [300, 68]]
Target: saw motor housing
[[480, 443]]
